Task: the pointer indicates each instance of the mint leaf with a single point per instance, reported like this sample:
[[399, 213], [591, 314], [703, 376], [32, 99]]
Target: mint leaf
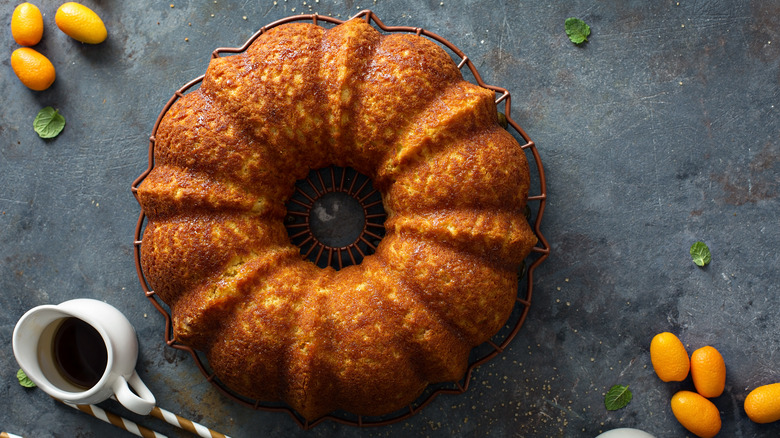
[[700, 253], [577, 30], [24, 380], [48, 123], [617, 397]]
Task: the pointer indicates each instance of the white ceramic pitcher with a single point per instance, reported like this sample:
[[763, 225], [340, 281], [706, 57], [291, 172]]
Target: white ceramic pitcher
[[33, 340]]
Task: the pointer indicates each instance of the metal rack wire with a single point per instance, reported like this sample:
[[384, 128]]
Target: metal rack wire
[[336, 180]]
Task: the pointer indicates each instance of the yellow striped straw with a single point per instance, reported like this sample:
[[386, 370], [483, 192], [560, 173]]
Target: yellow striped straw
[[116, 420], [157, 412], [183, 423]]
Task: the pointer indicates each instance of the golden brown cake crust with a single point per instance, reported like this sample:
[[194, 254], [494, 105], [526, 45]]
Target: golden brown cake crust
[[370, 337]]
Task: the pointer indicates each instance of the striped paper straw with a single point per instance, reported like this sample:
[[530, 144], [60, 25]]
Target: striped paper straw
[[183, 423], [116, 420], [8, 435]]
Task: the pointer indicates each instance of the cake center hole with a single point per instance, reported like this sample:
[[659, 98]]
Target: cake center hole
[[335, 217]]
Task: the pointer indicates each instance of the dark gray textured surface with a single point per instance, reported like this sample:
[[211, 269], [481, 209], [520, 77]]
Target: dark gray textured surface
[[660, 131]]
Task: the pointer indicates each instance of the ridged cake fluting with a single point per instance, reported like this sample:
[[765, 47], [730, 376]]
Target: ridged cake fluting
[[368, 338]]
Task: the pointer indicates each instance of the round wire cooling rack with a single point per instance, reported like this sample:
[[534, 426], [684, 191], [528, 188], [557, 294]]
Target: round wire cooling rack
[[479, 355]]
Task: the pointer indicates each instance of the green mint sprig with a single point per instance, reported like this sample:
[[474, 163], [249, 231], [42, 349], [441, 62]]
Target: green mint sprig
[[24, 380], [577, 30], [700, 253], [617, 397], [48, 123]]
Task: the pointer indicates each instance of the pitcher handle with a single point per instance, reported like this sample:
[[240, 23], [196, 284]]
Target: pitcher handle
[[140, 404]]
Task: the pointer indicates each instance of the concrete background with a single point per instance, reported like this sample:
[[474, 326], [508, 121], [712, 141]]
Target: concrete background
[[660, 131]]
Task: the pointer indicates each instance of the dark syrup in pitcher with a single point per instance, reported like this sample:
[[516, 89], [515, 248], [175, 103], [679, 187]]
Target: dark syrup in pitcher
[[80, 353]]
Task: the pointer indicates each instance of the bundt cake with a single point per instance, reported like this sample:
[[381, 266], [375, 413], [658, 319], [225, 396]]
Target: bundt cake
[[367, 338]]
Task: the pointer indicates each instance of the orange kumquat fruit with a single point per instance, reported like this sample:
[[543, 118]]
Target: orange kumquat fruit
[[669, 358], [27, 24], [80, 23], [697, 414], [33, 69], [762, 405], [708, 371]]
